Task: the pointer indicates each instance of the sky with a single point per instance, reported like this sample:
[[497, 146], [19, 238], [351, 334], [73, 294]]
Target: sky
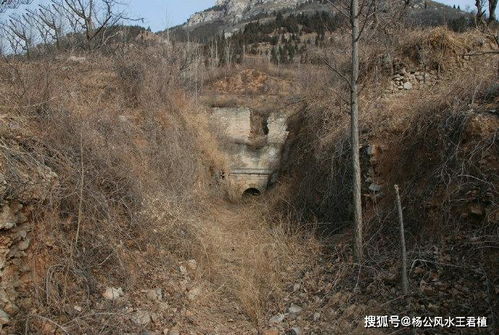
[[160, 14]]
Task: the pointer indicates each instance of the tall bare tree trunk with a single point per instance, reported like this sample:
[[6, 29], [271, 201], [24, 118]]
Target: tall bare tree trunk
[[354, 102], [492, 10]]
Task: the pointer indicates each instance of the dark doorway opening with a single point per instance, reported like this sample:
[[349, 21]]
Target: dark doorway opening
[[251, 192]]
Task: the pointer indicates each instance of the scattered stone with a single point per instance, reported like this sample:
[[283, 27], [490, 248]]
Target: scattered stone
[[142, 318], [295, 331], [192, 265], [22, 234], [154, 294], [112, 293], [476, 209], [76, 59], [375, 187], [317, 316], [433, 308], [22, 218], [183, 270], [174, 331], [408, 86], [78, 308], [277, 319], [295, 309], [7, 218], [4, 318], [23, 245], [194, 293], [419, 270], [296, 287]]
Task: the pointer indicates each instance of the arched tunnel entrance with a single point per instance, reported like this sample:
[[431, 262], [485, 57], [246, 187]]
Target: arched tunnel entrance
[[251, 192]]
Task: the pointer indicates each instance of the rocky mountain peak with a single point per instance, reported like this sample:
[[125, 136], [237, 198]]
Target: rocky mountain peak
[[233, 11]]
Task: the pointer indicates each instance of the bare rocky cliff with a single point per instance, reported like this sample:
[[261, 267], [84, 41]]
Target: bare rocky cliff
[[233, 11]]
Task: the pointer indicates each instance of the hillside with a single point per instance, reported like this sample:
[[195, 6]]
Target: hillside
[[232, 16], [155, 186]]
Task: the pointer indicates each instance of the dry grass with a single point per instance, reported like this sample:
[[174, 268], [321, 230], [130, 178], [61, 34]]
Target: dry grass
[[254, 257], [134, 160]]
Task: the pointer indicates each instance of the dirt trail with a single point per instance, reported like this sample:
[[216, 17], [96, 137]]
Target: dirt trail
[[246, 266]]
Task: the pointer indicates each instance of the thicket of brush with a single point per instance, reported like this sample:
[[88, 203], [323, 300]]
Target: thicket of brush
[[424, 135], [132, 160]]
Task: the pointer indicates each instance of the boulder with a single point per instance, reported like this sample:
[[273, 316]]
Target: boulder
[[112, 293], [277, 319], [154, 294], [4, 318], [142, 318], [295, 309], [408, 86], [8, 219]]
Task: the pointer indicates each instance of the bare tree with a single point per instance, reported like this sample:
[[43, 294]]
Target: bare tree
[[9, 4], [19, 33], [366, 18], [367, 11], [91, 17], [49, 23], [492, 10], [480, 11], [354, 111]]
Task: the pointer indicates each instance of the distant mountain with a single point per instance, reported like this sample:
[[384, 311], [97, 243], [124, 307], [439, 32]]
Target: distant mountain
[[234, 11], [231, 16]]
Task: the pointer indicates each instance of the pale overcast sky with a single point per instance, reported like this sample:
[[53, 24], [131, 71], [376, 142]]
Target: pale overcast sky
[[159, 14]]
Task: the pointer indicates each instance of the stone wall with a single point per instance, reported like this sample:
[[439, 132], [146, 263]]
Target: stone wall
[[253, 156], [406, 80]]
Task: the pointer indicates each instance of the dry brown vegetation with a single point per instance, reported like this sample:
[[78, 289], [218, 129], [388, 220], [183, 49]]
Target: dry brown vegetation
[[114, 161], [129, 198]]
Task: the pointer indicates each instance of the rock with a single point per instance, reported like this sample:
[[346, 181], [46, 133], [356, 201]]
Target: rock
[[142, 318], [408, 86], [296, 287], [22, 218], [375, 187], [78, 309], [476, 209], [192, 265], [4, 318], [194, 293], [277, 319], [295, 331], [295, 309], [23, 245], [76, 59], [8, 218], [112, 293], [317, 316], [154, 294], [419, 270], [174, 331], [22, 234], [271, 332], [433, 308]]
